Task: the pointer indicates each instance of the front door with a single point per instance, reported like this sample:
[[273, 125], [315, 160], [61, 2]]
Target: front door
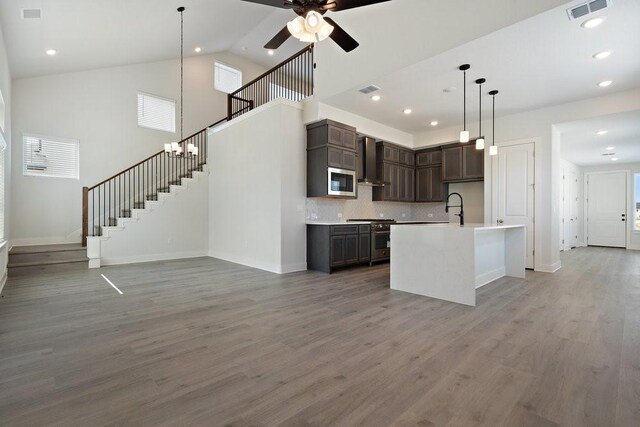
[[607, 209], [516, 191]]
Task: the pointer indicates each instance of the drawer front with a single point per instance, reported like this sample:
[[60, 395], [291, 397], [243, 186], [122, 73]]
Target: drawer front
[[365, 229], [344, 229]]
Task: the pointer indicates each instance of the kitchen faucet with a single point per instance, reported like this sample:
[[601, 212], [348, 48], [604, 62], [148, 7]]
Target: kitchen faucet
[[461, 206]]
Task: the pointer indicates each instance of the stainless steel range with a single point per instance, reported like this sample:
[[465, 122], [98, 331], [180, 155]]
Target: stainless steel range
[[380, 238]]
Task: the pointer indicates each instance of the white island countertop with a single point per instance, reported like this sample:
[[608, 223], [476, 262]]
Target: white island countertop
[[450, 262]]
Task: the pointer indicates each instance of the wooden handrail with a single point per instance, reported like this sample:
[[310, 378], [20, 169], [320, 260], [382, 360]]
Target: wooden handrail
[[280, 65]]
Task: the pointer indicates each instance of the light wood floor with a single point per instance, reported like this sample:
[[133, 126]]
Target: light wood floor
[[206, 342]]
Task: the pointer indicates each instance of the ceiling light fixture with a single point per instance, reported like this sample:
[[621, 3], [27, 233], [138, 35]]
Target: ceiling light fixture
[[592, 23], [602, 55], [493, 150], [271, 52], [311, 29], [614, 159], [605, 83], [197, 50], [434, 123], [376, 98], [176, 149], [408, 111], [51, 52], [480, 140], [602, 132], [611, 148], [464, 134]]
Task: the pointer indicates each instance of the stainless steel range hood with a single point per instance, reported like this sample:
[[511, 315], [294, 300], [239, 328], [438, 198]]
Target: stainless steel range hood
[[367, 163]]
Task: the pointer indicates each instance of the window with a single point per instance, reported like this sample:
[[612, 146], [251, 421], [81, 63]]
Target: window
[[50, 157], [156, 113], [636, 201], [227, 79], [3, 146]]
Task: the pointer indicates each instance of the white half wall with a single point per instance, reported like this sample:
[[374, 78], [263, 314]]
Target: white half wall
[[257, 189], [176, 226]]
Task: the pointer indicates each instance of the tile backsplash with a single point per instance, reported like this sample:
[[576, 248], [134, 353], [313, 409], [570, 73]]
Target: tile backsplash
[[318, 209]]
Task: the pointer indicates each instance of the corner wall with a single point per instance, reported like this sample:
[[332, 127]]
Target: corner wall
[[257, 189], [5, 88]]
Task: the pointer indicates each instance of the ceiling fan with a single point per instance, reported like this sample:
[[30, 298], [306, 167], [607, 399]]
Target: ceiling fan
[[310, 26]]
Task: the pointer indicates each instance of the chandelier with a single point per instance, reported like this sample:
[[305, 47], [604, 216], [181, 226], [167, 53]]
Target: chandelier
[[311, 29]]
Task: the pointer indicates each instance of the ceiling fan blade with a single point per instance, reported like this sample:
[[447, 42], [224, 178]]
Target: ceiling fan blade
[[283, 4], [341, 37], [279, 38], [338, 5]]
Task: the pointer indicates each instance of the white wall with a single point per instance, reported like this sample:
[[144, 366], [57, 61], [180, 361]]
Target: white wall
[[633, 236], [99, 108], [257, 189], [473, 195], [5, 88], [176, 227], [537, 126]]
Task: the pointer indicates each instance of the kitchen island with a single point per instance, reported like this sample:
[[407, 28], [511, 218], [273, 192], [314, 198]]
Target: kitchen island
[[449, 262]]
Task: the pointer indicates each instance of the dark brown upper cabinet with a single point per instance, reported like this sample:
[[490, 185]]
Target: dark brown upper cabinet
[[430, 157], [395, 165], [462, 162], [429, 185]]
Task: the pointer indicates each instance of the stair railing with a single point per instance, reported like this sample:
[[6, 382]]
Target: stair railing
[[115, 197], [292, 79]]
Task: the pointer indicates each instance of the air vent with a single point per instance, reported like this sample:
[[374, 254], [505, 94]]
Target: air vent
[[587, 8], [31, 13], [369, 89], [608, 154]]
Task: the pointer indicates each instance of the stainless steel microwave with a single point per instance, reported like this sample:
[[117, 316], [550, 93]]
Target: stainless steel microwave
[[342, 182]]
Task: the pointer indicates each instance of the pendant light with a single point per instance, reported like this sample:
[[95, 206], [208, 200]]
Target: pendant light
[[493, 150], [464, 134], [480, 140], [175, 149]]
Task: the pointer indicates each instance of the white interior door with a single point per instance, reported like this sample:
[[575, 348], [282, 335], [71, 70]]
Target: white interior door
[[516, 191], [607, 209], [570, 209]]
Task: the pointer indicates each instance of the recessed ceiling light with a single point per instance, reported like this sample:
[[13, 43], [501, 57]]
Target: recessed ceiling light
[[198, 50], [602, 132], [51, 52], [592, 23], [611, 148], [408, 111], [449, 89], [376, 98], [605, 83], [602, 55], [614, 159], [434, 123], [270, 52]]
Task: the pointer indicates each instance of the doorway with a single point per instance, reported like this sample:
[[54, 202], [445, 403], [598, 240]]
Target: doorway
[[606, 208], [515, 191], [569, 206]]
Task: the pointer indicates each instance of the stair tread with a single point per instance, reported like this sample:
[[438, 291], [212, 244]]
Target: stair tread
[[49, 262], [36, 249]]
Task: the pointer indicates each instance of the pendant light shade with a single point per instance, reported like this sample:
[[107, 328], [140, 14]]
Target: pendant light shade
[[480, 140], [464, 134], [493, 150]]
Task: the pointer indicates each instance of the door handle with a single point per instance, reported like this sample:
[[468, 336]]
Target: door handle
[[624, 215], [500, 221]]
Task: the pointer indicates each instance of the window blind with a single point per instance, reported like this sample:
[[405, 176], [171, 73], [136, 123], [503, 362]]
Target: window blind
[[156, 113], [50, 157], [227, 79]]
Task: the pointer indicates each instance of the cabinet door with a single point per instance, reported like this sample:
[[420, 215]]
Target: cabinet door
[[436, 187], [349, 139], [364, 249], [452, 164], [351, 242], [334, 135], [423, 159], [388, 179], [337, 251], [334, 157], [409, 184], [435, 158], [472, 162], [423, 184], [349, 160], [401, 184], [394, 182]]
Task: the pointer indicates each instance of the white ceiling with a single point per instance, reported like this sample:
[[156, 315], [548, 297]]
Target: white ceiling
[[101, 33], [580, 143], [542, 61]]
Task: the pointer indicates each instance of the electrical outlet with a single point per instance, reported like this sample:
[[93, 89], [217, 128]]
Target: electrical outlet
[[339, 214], [381, 215], [404, 215], [430, 215]]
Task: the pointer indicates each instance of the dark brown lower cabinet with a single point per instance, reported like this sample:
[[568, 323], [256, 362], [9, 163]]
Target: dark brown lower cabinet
[[333, 246]]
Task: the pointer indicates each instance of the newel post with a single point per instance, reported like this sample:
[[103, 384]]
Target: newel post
[[85, 215]]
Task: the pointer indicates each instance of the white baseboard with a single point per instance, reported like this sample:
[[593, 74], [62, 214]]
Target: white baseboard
[[549, 268], [151, 257], [490, 276], [633, 248], [259, 264], [292, 268]]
